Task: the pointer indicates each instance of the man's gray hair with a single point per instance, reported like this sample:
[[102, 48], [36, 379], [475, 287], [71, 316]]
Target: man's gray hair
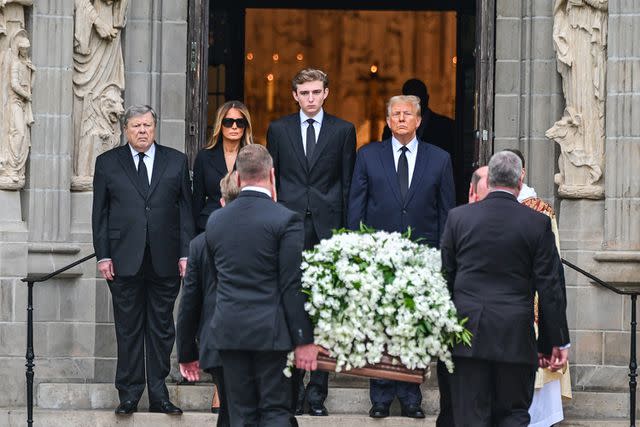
[[505, 169], [138, 110], [254, 163], [411, 99]]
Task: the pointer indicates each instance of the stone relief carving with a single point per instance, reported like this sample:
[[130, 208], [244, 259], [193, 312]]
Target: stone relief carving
[[16, 115], [580, 40], [98, 82]]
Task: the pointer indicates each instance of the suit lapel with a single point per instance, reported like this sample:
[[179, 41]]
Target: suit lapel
[[388, 165], [218, 159], [295, 138], [129, 167], [422, 159], [326, 134], [159, 165]]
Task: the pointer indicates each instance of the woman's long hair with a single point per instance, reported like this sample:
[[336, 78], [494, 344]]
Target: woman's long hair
[[216, 137]]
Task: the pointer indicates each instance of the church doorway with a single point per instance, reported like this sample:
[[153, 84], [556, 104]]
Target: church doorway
[[252, 49]]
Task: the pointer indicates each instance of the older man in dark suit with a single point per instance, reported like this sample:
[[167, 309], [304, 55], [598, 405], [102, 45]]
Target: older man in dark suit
[[256, 250], [496, 254], [313, 155], [142, 225], [401, 183]]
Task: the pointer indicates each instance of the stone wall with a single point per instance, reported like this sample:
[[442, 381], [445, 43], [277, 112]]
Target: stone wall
[[528, 101], [45, 226]]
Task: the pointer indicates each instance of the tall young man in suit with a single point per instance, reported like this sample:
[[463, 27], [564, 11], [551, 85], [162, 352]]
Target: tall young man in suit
[[255, 248], [142, 225], [493, 281], [402, 183], [313, 155]]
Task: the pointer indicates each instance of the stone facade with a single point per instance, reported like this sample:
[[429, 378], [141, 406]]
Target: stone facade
[[601, 236], [46, 225]]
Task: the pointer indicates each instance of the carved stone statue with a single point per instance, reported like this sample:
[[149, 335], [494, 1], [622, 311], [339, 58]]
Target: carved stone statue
[[98, 82], [580, 39], [16, 115]]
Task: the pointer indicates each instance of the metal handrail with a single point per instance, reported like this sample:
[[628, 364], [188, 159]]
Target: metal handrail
[[633, 365], [30, 356]]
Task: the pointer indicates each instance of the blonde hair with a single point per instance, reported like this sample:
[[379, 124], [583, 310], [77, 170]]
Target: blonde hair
[[216, 136], [229, 187], [410, 99]]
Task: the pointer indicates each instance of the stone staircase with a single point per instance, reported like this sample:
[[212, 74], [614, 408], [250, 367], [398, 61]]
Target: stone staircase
[[91, 404]]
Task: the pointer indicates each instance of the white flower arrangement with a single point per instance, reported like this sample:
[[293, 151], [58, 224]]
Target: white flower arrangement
[[373, 292]]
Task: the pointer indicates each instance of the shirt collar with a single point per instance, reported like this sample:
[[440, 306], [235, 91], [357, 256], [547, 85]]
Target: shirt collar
[[258, 189], [151, 152], [318, 117], [411, 146]]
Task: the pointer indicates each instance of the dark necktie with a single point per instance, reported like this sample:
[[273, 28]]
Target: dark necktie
[[311, 139], [143, 176], [403, 172]]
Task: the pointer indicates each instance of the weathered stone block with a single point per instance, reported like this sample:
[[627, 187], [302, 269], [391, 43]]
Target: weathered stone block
[[138, 52], [12, 372], [53, 8], [598, 309], [6, 299], [81, 206], [53, 91], [11, 215], [507, 108], [617, 348], [70, 339], [13, 259], [545, 78], [542, 8], [175, 11], [174, 46], [599, 378], [172, 96], [52, 41], [507, 77], [142, 10], [137, 89], [508, 8], [508, 43], [105, 370], [104, 308], [13, 338], [105, 340], [586, 347], [173, 134], [78, 300], [500, 144]]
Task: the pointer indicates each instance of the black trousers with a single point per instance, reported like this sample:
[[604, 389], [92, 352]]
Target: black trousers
[[318, 386], [488, 394], [145, 333], [223, 413], [382, 392], [258, 393], [445, 416]]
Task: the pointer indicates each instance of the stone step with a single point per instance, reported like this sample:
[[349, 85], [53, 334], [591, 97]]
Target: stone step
[[104, 418], [341, 400]]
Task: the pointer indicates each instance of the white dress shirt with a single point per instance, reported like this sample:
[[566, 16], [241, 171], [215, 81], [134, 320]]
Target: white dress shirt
[[317, 124], [412, 153], [258, 189], [149, 156]]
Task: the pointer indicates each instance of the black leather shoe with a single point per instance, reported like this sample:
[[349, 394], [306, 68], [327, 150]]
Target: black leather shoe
[[300, 407], [412, 411], [165, 407], [317, 410], [127, 407], [379, 411], [215, 410]]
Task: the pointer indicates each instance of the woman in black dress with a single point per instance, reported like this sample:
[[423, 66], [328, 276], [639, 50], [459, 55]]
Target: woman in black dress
[[231, 132]]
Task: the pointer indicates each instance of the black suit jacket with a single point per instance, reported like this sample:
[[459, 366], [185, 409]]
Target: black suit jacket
[[377, 202], [197, 305], [208, 169], [321, 185], [496, 254], [256, 249], [123, 217]]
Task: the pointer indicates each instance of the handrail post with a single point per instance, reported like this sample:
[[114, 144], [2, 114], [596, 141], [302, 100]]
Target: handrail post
[[30, 354], [633, 366]]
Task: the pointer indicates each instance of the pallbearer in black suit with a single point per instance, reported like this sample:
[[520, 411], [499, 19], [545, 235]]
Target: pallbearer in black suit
[[399, 183], [231, 132], [313, 155], [496, 253], [197, 305], [256, 250], [142, 225]]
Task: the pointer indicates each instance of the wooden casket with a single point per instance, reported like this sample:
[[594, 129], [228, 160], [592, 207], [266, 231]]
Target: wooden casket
[[385, 370]]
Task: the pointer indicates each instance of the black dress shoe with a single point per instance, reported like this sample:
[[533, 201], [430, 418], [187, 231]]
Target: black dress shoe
[[412, 411], [165, 407], [300, 407], [127, 407], [317, 410], [215, 410], [379, 411]]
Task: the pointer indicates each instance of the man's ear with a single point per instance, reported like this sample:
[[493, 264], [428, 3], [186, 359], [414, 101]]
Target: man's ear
[[222, 202], [238, 180]]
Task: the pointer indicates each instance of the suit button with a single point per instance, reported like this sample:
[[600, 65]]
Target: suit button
[[308, 212], [147, 208], [404, 211]]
